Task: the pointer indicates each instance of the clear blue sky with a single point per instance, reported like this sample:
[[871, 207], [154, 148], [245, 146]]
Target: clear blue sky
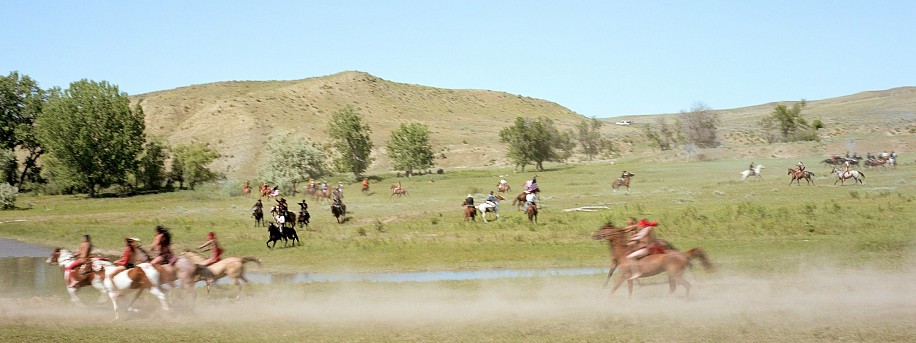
[[598, 58]]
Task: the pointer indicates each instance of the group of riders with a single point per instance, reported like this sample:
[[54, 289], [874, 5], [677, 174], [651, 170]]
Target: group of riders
[[531, 191], [134, 254], [281, 209]]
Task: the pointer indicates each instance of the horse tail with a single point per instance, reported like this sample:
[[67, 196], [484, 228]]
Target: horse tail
[[247, 259], [701, 255]]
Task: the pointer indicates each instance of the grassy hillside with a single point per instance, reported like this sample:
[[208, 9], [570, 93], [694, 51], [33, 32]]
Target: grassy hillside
[[236, 118]]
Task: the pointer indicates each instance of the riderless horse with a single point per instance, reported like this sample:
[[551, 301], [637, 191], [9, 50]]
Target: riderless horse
[[233, 267]]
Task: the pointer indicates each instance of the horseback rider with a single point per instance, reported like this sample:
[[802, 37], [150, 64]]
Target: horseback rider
[[800, 166], [215, 251], [469, 201], [643, 242], [82, 256], [492, 201], [258, 206], [339, 189], [751, 168], [303, 206], [365, 184], [531, 199], [162, 244], [531, 186], [623, 176], [133, 254], [282, 206]]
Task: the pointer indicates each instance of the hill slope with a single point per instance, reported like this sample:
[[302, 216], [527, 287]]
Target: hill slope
[[237, 118]]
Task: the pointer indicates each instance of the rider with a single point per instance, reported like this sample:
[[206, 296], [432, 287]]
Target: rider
[[82, 257], [365, 184], [162, 244], [623, 175], [846, 165], [491, 199], [215, 250], [282, 206], [469, 201], [643, 242], [751, 168], [530, 199], [339, 189], [132, 255], [800, 166], [258, 205]]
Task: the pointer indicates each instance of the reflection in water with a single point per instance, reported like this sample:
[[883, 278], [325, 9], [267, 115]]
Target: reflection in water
[[31, 276]]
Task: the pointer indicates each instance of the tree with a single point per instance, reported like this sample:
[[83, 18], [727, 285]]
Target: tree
[[788, 122], [190, 163], [700, 126], [666, 137], [350, 141], [532, 141], [409, 147], [21, 104], [152, 164], [292, 161], [92, 133], [589, 136]]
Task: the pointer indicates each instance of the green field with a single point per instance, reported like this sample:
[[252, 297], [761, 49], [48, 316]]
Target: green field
[[795, 263]]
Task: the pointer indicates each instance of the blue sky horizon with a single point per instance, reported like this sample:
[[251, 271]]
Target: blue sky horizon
[[598, 58]]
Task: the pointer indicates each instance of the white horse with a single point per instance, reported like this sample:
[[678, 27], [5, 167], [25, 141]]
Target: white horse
[[852, 174], [488, 207], [143, 275], [757, 169], [64, 258]]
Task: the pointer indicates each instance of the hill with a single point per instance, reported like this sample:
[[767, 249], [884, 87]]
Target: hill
[[237, 117]]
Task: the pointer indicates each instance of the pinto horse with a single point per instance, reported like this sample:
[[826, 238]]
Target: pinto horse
[[852, 174], [233, 267], [797, 176], [488, 207], [142, 276], [623, 181], [672, 262], [94, 277]]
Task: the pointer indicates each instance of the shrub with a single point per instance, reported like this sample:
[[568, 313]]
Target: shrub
[[8, 195]]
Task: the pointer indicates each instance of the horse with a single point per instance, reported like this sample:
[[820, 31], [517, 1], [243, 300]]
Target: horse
[[503, 188], [623, 181], [189, 273], [246, 189], [532, 212], [399, 191], [264, 190], [338, 210], [797, 176], [756, 171], [488, 207], [277, 234], [140, 277], [258, 214], [875, 163], [233, 267], [521, 199], [672, 262], [852, 174], [64, 258], [304, 218], [322, 194]]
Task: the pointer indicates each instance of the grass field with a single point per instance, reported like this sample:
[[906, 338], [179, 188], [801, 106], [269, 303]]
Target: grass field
[[795, 263]]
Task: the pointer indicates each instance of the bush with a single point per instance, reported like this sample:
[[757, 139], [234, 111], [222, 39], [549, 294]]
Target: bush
[[8, 195]]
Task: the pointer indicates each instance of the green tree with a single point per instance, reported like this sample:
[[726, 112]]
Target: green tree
[[588, 133], [700, 126], [293, 161], [666, 137], [190, 163], [92, 133], [789, 122], [350, 141], [21, 104], [152, 164], [532, 141], [409, 147]]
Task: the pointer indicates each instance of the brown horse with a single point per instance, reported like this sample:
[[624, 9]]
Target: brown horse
[[246, 189], [623, 181], [519, 201], [398, 191], [233, 267], [672, 262], [532, 212], [797, 176], [264, 190], [470, 212], [322, 194], [503, 188]]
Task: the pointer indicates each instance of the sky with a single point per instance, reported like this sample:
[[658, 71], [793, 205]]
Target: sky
[[599, 58]]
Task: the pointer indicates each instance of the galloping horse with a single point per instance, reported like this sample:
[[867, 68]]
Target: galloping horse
[[233, 267], [140, 277], [246, 189], [470, 212], [852, 174], [673, 262], [488, 207], [258, 214], [503, 188], [756, 172], [624, 181], [339, 211], [64, 258], [876, 162], [521, 199], [532, 212], [399, 191], [797, 176], [322, 194], [304, 218], [277, 233]]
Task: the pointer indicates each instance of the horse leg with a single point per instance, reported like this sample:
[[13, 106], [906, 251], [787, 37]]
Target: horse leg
[[609, 273], [617, 283], [130, 305], [161, 296]]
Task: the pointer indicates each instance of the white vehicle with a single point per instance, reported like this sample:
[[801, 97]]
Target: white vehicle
[[624, 123]]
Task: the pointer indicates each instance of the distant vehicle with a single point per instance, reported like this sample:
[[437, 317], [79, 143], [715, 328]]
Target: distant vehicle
[[624, 123]]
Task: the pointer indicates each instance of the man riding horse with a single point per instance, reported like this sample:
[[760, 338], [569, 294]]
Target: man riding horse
[[643, 243]]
